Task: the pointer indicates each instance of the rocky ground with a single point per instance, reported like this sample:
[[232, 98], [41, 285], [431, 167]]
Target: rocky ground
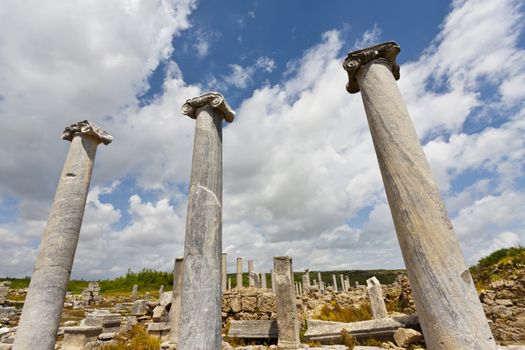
[[96, 323]]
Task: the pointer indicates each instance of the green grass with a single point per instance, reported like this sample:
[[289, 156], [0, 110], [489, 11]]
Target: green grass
[[499, 265], [136, 339]]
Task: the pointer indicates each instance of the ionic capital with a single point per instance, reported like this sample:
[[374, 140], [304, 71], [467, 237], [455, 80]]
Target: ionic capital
[[86, 128], [214, 99], [385, 51]]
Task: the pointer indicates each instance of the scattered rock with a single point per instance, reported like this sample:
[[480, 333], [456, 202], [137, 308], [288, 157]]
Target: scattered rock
[[406, 336]]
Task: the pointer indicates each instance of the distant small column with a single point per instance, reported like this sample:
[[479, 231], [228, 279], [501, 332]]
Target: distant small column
[[321, 283], [44, 302], [375, 293], [347, 284], [334, 279], [357, 284], [300, 288], [447, 304], [263, 280], [343, 289], [285, 303], [161, 290], [251, 282], [224, 272], [306, 283], [178, 277], [239, 272], [200, 323], [134, 292]]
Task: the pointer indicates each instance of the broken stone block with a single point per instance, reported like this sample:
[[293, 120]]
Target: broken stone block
[[139, 308], [406, 336], [76, 337], [160, 314], [159, 329]]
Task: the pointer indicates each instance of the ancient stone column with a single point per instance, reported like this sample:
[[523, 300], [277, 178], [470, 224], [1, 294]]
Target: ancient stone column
[[447, 305], [334, 279], [178, 276], [321, 283], [239, 272], [44, 302], [224, 272], [375, 293], [347, 284], [263, 280], [306, 283], [161, 290], [251, 282], [134, 292], [285, 303], [343, 289], [200, 322]]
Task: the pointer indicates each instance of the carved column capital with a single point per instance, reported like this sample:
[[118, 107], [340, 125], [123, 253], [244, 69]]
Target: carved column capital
[[214, 99], [87, 128], [385, 51]]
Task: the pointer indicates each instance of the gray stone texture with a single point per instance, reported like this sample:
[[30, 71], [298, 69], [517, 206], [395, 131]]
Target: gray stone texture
[[285, 303], [375, 293], [334, 280], [251, 281], [200, 323], [449, 311], [44, 302], [175, 309], [239, 272]]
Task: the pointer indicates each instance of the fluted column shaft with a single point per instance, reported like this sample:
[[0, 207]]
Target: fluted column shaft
[[447, 304], [44, 302]]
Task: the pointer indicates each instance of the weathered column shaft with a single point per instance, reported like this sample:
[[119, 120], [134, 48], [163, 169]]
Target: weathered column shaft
[[447, 304], [251, 282], [224, 272], [286, 309], [200, 322], [178, 275], [44, 302], [239, 272], [375, 293], [343, 289], [273, 281], [263, 280], [334, 279]]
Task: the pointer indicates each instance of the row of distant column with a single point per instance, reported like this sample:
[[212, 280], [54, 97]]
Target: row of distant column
[[447, 304]]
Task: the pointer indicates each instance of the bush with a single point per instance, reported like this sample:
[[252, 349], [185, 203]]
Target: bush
[[146, 280]]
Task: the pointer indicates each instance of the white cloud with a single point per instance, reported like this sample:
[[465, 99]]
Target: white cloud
[[300, 172], [241, 77]]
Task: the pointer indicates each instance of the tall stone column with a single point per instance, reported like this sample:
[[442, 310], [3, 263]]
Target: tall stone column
[[448, 307], [200, 322], [343, 289], [334, 279], [251, 282], [239, 272], [224, 272], [178, 274], [285, 307], [44, 302], [273, 281]]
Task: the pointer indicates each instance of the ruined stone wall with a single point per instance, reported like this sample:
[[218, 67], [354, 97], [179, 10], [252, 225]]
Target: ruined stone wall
[[504, 305]]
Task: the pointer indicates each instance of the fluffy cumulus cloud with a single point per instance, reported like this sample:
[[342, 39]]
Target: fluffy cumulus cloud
[[300, 172]]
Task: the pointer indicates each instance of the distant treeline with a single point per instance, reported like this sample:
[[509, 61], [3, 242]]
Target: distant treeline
[[495, 266]]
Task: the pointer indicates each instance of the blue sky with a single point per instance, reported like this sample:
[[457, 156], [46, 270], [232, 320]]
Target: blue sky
[[300, 174]]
